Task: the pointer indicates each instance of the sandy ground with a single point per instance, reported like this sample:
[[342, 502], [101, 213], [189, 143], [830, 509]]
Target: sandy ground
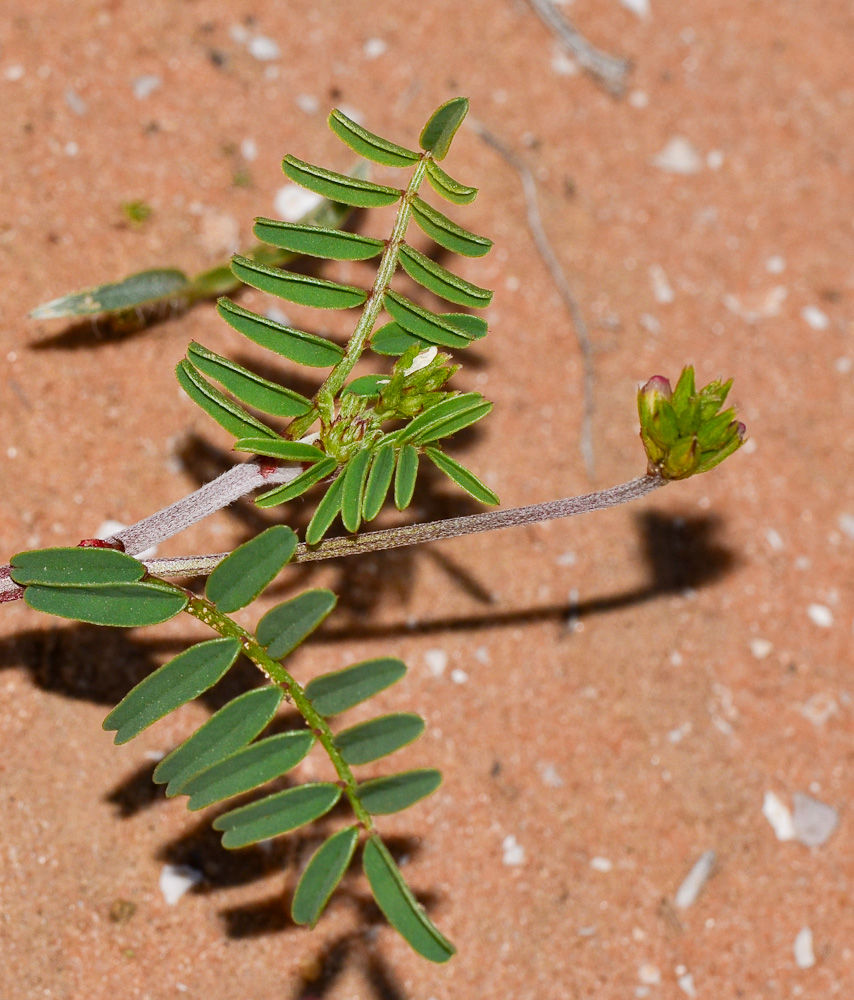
[[609, 698]]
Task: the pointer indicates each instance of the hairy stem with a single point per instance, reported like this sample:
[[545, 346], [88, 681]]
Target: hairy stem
[[208, 613]]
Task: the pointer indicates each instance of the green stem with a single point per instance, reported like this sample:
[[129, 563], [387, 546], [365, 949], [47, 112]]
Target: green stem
[[373, 305], [208, 613]]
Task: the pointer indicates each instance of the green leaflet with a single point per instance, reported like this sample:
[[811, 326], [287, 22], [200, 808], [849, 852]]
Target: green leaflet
[[136, 291], [393, 340], [421, 323], [446, 418], [441, 281], [368, 144], [326, 512], [301, 484], [447, 187], [317, 241], [249, 768], [399, 905], [447, 233], [441, 127], [125, 605], [70, 567], [284, 627], [335, 692], [405, 476], [303, 289], [397, 792], [180, 680], [474, 327], [379, 480], [296, 345], [462, 476], [339, 187], [354, 478], [241, 577], [276, 814], [225, 732], [216, 404], [323, 872], [249, 388], [288, 451], [366, 385], [376, 738]]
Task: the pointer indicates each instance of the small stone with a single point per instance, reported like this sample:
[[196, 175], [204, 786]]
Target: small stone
[[775, 264], [649, 974], [639, 7], [307, 103], [815, 318], [661, 287], [715, 159], [292, 202], [13, 73], [774, 539], [262, 48], [846, 524], [75, 102], [821, 707], [812, 821], [692, 886], [249, 150], [459, 676], [144, 86], [374, 48], [513, 853], [686, 984], [639, 99], [803, 949], [678, 157], [562, 64], [599, 864], [437, 661], [549, 774], [820, 614], [176, 880], [761, 648], [779, 816]]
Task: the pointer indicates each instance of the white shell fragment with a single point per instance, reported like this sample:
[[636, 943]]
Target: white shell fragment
[[804, 954], [813, 821], [176, 880], [779, 816], [692, 886]]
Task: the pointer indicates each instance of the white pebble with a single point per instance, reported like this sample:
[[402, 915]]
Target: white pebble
[[599, 864], [692, 886], [307, 103], [562, 64], [715, 159], [804, 954], [249, 150], [779, 816], [374, 48], [846, 524], [262, 48], [774, 539], [549, 774], [639, 7], [775, 264], [176, 880], [661, 287], [71, 149], [568, 558], [75, 102], [760, 648], [144, 86], [678, 157], [639, 99], [649, 974], [815, 318], [686, 983], [821, 707], [812, 821], [13, 73], [436, 660], [459, 676], [820, 614], [293, 202], [512, 852]]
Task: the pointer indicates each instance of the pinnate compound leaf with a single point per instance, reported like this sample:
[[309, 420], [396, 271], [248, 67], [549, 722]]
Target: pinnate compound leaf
[[296, 345], [327, 510], [241, 577], [225, 732], [398, 791], [276, 814], [354, 477], [438, 133], [174, 684], [124, 605], [335, 692], [136, 291], [301, 484], [441, 281], [339, 187], [399, 905], [368, 144], [376, 738], [216, 404], [304, 289], [447, 233], [284, 627], [288, 451], [447, 417], [249, 388], [249, 768], [317, 241], [404, 476], [421, 323], [462, 476], [379, 480], [447, 187], [74, 567], [392, 340], [323, 872]]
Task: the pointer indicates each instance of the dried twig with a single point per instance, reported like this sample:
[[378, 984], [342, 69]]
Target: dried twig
[[610, 71], [544, 247]]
